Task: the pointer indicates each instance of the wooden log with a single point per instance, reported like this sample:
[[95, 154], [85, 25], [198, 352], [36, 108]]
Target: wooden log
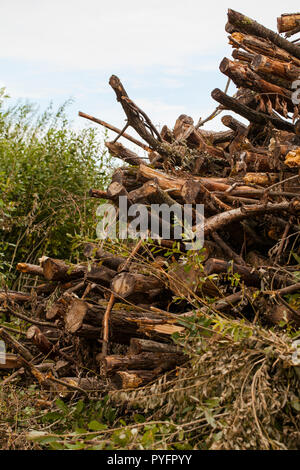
[[242, 75], [243, 56], [247, 25], [217, 266], [221, 220], [127, 177], [151, 193], [285, 70], [261, 179], [85, 319], [126, 284], [256, 193], [57, 270], [99, 194], [133, 379], [288, 290], [66, 384], [234, 124], [196, 139], [155, 159], [144, 361], [292, 159], [283, 83], [139, 345], [185, 281], [12, 361], [253, 44], [114, 129], [288, 22], [116, 149], [16, 345], [251, 161], [248, 113], [183, 124], [35, 335], [167, 135], [221, 137], [116, 190], [133, 114], [175, 184], [13, 296], [221, 305], [110, 260], [32, 269]]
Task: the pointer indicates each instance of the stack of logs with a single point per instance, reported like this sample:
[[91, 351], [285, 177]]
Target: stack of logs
[[248, 179]]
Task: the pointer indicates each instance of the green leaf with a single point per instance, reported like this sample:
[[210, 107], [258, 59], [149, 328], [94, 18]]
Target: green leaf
[[296, 405], [96, 426], [36, 436], [139, 418], [51, 417], [61, 405], [79, 406], [56, 446], [78, 446], [209, 418]]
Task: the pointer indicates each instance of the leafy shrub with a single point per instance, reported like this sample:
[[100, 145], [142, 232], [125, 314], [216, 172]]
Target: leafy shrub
[[46, 171]]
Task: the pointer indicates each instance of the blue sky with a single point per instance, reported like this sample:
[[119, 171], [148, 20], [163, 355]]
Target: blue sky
[[166, 53]]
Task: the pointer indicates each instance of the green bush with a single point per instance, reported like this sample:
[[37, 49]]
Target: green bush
[[46, 171]]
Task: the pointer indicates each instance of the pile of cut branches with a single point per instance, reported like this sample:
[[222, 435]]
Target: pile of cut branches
[[110, 322]]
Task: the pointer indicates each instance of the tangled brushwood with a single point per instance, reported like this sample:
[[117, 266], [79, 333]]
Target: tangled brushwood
[[191, 348]]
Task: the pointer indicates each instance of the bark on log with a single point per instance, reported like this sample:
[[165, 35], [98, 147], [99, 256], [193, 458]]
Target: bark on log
[[242, 75], [127, 284], [175, 184], [133, 379], [35, 335], [248, 113], [110, 260], [127, 177], [249, 26], [288, 22], [114, 129], [138, 345], [85, 319], [32, 269], [144, 361], [253, 44], [234, 124], [184, 281], [118, 150], [251, 161], [221, 220], [269, 66], [242, 56], [12, 361], [16, 345], [132, 113], [217, 266], [57, 270], [14, 296], [221, 305], [151, 193]]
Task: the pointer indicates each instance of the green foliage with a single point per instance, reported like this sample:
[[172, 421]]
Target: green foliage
[[46, 171]]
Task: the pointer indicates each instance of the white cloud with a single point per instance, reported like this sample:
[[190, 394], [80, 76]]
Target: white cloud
[[96, 34], [161, 113], [153, 46]]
